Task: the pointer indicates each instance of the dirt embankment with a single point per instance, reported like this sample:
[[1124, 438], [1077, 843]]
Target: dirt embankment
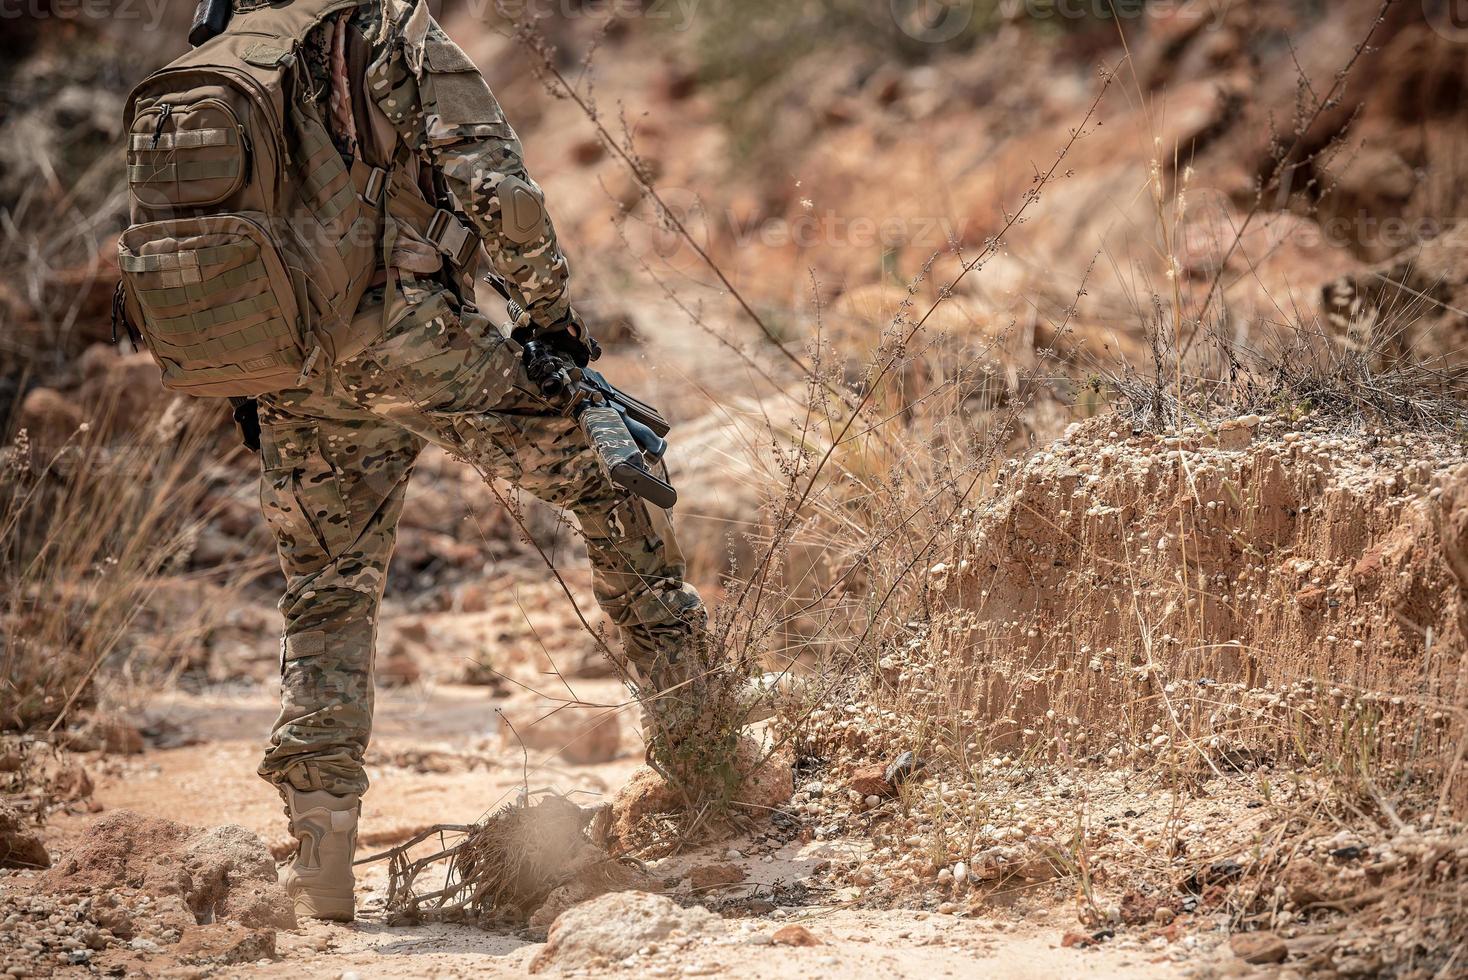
[[1123, 579], [137, 884]]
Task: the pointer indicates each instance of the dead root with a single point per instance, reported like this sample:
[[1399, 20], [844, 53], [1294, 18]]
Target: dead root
[[517, 866]]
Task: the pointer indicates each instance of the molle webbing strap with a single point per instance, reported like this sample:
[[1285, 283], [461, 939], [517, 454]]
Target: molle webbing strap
[[148, 173], [368, 185], [199, 292], [229, 349], [330, 190], [322, 171], [325, 178], [186, 139], [203, 320], [191, 259], [339, 201], [232, 348]]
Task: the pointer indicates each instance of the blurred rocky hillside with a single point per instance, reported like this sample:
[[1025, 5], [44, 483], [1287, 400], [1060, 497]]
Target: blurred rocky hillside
[[832, 159], [830, 150]]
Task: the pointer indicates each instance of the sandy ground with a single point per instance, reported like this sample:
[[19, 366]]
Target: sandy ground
[[451, 729]]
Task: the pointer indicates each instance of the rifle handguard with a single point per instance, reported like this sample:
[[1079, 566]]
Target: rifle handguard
[[622, 457], [626, 433]]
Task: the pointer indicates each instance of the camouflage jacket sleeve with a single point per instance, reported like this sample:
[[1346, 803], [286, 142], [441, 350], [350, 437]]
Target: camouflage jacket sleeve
[[444, 111]]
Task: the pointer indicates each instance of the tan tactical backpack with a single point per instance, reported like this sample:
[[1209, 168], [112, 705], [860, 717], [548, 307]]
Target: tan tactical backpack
[[252, 239]]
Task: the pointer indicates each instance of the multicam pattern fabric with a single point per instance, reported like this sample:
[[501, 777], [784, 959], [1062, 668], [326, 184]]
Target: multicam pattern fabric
[[338, 451], [336, 458], [444, 111]]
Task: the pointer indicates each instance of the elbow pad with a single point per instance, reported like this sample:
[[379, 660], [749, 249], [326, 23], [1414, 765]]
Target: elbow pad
[[522, 211]]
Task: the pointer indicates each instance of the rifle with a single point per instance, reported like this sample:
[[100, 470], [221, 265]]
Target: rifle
[[211, 17], [627, 433]]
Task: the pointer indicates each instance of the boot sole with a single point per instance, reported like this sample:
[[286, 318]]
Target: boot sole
[[327, 909]]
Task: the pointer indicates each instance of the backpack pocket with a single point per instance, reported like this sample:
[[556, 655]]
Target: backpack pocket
[[186, 155], [217, 306]]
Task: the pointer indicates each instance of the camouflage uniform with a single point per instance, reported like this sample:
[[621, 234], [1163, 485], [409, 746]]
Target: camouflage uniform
[[337, 453]]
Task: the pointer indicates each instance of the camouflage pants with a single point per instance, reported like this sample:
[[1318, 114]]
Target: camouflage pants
[[336, 458]]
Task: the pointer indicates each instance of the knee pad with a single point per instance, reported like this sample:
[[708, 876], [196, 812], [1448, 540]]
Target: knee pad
[[681, 606]]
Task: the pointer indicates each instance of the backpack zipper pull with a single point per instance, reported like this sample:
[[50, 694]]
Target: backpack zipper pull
[[165, 110], [310, 363], [119, 315]]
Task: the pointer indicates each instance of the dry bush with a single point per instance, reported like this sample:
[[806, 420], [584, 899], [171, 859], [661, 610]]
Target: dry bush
[[992, 631], [919, 422], [869, 570], [87, 535]]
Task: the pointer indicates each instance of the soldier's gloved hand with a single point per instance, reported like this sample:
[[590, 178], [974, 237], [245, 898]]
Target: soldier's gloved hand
[[568, 335], [581, 349], [546, 372], [247, 420]]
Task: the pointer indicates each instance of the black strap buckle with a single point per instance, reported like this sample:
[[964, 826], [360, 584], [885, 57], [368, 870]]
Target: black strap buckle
[[376, 187], [452, 237]]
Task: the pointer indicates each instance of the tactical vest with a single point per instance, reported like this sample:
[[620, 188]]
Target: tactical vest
[[252, 239]]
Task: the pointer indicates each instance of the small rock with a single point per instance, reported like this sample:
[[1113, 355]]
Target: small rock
[[588, 151], [19, 846], [115, 735], [399, 668], [1258, 947], [226, 943], [794, 935], [50, 416], [870, 781], [708, 876], [615, 926], [900, 768]]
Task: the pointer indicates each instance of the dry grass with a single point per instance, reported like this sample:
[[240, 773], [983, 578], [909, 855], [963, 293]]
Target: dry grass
[[875, 501], [88, 535], [879, 483]]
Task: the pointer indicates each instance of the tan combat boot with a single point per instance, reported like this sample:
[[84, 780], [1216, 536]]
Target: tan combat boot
[[320, 880], [762, 697]]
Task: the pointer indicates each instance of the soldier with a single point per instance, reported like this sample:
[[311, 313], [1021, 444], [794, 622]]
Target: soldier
[[417, 365]]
